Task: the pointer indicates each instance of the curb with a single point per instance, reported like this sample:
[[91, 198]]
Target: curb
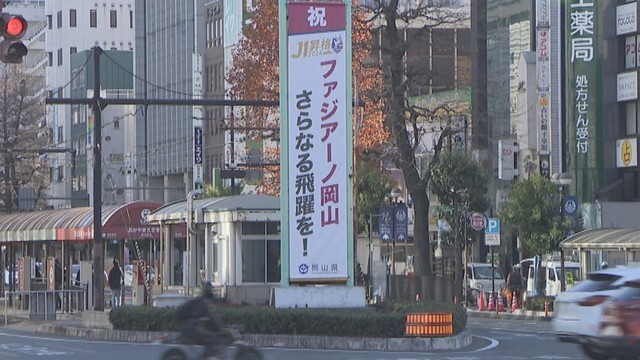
[[454, 342], [518, 314]]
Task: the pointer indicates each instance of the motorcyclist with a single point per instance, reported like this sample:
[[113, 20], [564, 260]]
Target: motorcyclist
[[199, 325]]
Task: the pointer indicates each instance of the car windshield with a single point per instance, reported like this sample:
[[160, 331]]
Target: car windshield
[[596, 282], [484, 272]]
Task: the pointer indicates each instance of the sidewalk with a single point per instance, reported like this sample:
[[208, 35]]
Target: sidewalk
[[518, 314]]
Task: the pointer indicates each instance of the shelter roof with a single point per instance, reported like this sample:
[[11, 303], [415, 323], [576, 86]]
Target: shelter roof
[[605, 238], [118, 222], [177, 212]]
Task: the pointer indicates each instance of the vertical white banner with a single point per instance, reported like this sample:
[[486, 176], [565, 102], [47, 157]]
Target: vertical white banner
[[198, 136], [318, 142]]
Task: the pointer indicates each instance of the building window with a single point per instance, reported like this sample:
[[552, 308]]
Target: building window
[[50, 22], [116, 123], [60, 134], [632, 117], [50, 56], [260, 252], [93, 18], [72, 18], [60, 173], [73, 50], [113, 19], [59, 19], [131, 19], [59, 57]]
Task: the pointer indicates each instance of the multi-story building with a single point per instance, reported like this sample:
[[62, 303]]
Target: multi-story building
[[179, 56], [73, 27], [119, 177]]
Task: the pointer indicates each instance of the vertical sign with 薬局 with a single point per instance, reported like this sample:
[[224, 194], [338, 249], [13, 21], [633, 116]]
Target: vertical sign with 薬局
[[318, 142], [583, 94]]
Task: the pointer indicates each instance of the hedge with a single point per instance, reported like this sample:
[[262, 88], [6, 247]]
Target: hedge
[[536, 303], [383, 320]]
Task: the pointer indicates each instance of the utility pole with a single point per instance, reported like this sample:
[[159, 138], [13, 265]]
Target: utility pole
[[98, 104], [98, 244]]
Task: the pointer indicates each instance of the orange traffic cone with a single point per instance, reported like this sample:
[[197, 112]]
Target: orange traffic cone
[[500, 303], [481, 305], [514, 302], [492, 304]]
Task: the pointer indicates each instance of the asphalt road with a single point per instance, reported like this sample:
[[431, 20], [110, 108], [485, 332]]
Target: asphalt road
[[492, 339]]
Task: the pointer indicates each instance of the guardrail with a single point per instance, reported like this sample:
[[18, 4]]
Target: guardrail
[[44, 304]]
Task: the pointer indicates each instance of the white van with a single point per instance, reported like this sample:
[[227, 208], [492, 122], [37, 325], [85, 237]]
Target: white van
[[479, 277], [549, 275]]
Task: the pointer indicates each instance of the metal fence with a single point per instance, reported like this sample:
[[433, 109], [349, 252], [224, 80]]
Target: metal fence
[[44, 304]]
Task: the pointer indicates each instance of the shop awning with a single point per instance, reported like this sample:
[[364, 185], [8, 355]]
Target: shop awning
[[118, 222], [607, 238]]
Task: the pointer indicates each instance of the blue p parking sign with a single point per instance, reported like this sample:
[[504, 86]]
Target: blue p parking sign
[[492, 232]]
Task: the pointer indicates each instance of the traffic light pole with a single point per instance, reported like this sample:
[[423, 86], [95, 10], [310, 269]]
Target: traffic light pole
[[97, 104]]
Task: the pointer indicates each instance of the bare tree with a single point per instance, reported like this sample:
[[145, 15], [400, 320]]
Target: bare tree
[[22, 137], [405, 77]]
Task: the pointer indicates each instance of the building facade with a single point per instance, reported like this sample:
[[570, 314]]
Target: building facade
[[179, 56], [73, 27]]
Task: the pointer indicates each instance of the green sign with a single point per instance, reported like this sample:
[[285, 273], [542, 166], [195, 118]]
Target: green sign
[[583, 96]]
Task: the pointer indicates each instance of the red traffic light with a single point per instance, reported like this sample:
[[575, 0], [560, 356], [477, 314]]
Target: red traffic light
[[13, 26]]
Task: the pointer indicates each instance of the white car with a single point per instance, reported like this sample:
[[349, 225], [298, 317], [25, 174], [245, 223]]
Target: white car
[[578, 311], [480, 280]]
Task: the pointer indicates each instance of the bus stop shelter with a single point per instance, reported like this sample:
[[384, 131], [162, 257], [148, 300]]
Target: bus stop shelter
[[618, 247]]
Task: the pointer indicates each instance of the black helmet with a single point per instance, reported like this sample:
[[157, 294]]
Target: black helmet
[[207, 289]]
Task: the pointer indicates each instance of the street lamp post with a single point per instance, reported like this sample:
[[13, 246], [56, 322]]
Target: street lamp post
[[562, 180]]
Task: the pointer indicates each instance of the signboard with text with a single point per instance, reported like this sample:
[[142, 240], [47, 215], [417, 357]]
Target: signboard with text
[[317, 124], [584, 98], [492, 232]]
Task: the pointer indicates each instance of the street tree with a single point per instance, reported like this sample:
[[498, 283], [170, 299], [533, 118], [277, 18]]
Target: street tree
[[255, 74], [214, 191], [532, 212], [392, 127], [22, 138], [460, 185], [373, 186], [408, 121]]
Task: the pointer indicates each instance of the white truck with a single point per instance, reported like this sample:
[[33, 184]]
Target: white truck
[[549, 275]]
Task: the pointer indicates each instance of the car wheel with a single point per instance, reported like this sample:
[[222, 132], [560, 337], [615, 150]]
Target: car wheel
[[595, 353], [474, 295], [174, 354]]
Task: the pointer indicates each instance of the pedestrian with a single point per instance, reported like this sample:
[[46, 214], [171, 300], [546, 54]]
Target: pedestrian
[[58, 282], [515, 284], [115, 283]]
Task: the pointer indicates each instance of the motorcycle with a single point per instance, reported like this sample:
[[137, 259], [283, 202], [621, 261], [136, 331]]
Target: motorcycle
[[234, 351]]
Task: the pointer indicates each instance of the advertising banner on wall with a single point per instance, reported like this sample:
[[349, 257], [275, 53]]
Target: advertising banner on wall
[[627, 85], [543, 71], [627, 18], [583, 95], [318, 123], [626, 152]]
